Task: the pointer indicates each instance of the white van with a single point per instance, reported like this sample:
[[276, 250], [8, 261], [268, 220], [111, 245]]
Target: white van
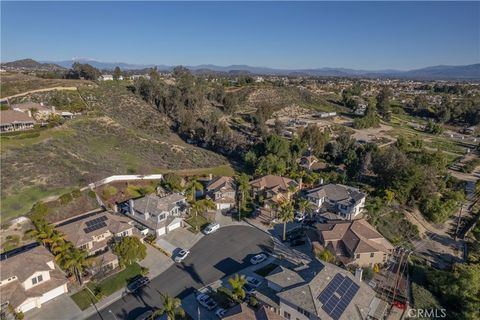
[[212, 227]]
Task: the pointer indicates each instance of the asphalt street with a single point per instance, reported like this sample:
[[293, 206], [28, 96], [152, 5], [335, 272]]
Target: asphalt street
[[215, 256]]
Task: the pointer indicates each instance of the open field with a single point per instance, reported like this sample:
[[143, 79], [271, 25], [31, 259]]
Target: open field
[[15, 83], [122, 135]]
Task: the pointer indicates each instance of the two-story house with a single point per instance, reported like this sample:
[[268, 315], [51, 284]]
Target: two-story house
[[93, 233], [352, 242], [343, 201], [321, 291], [159, 214], [30, 278], [222, 190]]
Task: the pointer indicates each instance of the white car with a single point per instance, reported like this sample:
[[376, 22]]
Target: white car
[[258, 258], [299, 217], [212, 227], [254, 282], [220, 312], [181, 255]]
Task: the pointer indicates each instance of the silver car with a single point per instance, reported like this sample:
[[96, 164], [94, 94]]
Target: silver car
[[181, 255]]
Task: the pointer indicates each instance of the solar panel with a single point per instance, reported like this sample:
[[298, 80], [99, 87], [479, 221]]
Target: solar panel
[[337, 295], [93, 222], [96, 226]]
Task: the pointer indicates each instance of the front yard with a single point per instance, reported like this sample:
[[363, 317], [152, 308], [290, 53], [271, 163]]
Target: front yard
[[107, 287], [197, 223]]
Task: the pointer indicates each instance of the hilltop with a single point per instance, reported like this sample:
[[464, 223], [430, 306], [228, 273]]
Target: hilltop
[[30, 64], [118, 134]]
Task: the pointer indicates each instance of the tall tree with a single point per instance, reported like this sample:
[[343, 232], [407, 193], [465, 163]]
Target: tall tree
[[243, 187], [117, 73], [237, 282], [305, 206], [129, 250], [193, 186], [286, 214], [171, 307], [383, 102], [75, 261]]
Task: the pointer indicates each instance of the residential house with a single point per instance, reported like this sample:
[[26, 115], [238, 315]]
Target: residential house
[[11, 120], [159, 214], [343, 201], [222, 191], [30, 278], [352, 242], [321, 291], [243, 312], [38, 110], [105, 77], [269, 191], [273, 188], [93, 233]]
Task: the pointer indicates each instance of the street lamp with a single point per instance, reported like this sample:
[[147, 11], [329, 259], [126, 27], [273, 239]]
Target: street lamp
[[113, 314]]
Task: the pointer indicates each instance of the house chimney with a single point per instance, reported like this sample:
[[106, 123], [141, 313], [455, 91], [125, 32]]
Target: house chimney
[[359, 274], [321, 181], [41, 103], [53, 109], [130, 205], [210, 177], [29, 113]]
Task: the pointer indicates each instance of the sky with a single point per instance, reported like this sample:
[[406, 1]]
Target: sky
[[290, 35]]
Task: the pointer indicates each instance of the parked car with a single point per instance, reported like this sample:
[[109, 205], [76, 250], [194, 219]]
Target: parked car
[[147, 315], [248, 289], [205, 301], [212, 227], [182, 255], [258, 258], [137, 283], [299, 217], [220, 312], [254, 282], [297, 242]]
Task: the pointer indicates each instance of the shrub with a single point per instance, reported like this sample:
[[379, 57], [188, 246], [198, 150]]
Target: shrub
[[76, 193], [66, 198]]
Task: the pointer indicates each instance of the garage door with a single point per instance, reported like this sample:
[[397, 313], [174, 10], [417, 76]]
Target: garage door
[[52, 294], [160, 231], [174, 225], [28, 306]]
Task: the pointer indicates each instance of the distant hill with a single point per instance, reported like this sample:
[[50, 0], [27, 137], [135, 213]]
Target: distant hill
[[30, 64], [467, 72]]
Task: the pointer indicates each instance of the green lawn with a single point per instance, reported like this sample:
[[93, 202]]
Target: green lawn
[[195, 221], [110, 285], [21, 203]]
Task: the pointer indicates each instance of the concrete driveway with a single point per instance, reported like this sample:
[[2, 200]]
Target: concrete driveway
[[215, 256], [155, 261], [182, 238], [56, 309]]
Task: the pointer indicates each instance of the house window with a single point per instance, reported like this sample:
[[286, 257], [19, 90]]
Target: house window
[[286, 315], [37, 279], [358, 255], [372, 255], [162, 216]]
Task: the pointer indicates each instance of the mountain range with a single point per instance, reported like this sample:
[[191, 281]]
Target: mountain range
[[441, 72]]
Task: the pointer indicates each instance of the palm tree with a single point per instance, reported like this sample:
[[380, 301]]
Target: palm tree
[[75, 260], [61, 250], [48, 235], [243, 186], [305, 206], [193, 186], [171, 307], [201, 206], [286, 214], [237, 282]]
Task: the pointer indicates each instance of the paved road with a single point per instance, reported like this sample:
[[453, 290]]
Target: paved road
[[222, 253]]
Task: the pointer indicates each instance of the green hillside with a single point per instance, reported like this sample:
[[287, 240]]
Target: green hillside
[[120, 134]]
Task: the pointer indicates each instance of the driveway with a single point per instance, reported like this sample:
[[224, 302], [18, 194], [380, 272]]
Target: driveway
[[215, 256], [182, 238], [155, 261], [55, 309]]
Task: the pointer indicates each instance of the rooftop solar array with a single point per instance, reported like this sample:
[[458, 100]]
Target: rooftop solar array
[[95, 224], [337, 295], [92, 222]]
